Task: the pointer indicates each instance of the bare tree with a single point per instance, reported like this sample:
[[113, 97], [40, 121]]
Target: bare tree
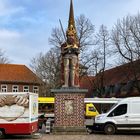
[[85, 32], [126, 39], [56, 38], [3, 58], [47, 67], [97, 58], [102, 45], [103, 42]]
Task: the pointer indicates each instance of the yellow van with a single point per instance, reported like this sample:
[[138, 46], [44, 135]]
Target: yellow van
[[91, 110], [46, 100]]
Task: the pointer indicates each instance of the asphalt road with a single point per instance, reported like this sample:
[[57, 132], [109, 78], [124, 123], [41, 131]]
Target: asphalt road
[[97, 136], [94, 136]]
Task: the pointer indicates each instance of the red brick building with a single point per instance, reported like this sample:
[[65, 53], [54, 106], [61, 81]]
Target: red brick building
[[18, 78], [121, 81], [87, 82]]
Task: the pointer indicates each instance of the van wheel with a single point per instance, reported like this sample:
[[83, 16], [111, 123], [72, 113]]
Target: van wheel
[[1, 133], [109, 129]]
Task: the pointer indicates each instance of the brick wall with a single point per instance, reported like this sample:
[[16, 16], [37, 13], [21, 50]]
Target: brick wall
[[73, 118]]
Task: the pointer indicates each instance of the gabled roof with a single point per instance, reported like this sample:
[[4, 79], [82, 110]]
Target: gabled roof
[[13, 73]]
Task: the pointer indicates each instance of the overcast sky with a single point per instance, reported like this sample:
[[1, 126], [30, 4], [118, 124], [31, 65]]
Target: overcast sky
[[25, 25]]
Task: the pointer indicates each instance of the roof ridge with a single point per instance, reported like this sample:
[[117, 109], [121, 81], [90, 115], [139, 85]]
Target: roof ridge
[[14, 64]]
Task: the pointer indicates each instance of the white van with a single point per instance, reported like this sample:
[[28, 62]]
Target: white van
[[125, 115]]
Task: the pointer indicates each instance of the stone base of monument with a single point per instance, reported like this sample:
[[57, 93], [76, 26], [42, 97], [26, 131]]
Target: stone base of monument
[[69, 111], [63, 130]]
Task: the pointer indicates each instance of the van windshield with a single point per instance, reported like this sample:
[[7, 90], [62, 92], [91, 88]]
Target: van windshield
[[111, 107]]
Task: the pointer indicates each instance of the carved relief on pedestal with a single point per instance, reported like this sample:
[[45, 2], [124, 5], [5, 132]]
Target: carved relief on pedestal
[[69, 107]]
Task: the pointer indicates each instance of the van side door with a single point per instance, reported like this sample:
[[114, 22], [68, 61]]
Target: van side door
[[134, 115]]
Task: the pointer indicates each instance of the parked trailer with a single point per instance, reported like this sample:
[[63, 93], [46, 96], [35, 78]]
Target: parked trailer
[[18, 113]]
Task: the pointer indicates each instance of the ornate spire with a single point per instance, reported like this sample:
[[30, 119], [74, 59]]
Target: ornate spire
[[71, 23], [71, 16]]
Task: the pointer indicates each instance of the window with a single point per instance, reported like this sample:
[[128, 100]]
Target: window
[[35, 89], [92, 109], [14, 88], [120, 110], [26, 89], [3, 88]]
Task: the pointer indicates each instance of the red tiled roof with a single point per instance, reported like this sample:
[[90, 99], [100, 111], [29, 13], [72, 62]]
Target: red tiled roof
[[122, 74], [117, 75], [17, 73]]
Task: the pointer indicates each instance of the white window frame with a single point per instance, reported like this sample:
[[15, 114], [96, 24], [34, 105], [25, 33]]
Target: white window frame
[[35, 90], [15, 89], [3, 89], [25, 90]]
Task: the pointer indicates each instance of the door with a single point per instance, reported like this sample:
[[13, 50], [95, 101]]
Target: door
[[134, 115]]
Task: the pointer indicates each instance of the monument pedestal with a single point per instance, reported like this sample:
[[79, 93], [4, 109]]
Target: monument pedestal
[[69, 111]]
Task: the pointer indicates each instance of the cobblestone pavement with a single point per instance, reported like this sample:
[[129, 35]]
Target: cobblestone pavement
[[80, 137]]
